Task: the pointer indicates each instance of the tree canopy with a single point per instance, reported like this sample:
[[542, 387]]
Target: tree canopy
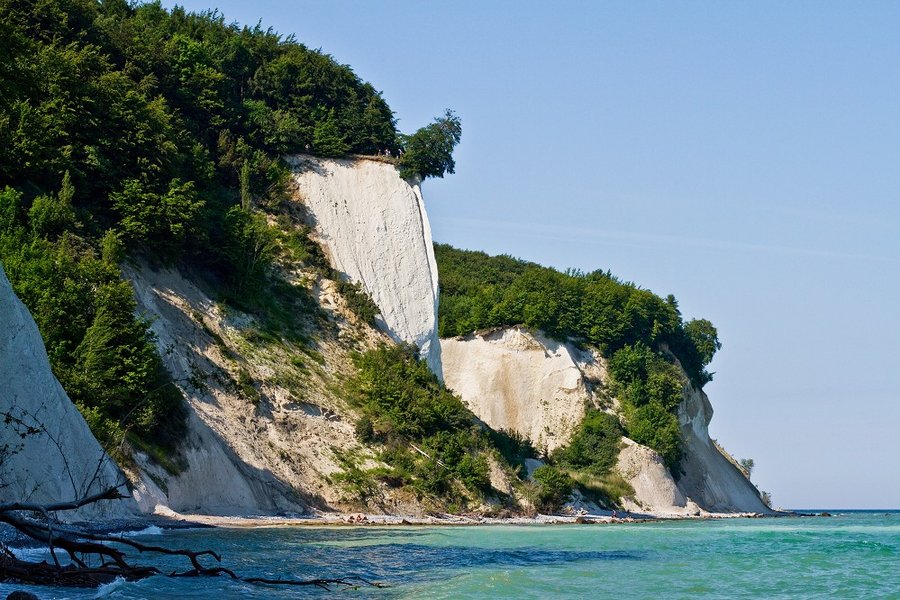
[[429, 151]]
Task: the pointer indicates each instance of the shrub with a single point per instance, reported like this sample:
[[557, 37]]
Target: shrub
[[431, 440], [554, 487], [358, 301], [608, 489], [594, 448]]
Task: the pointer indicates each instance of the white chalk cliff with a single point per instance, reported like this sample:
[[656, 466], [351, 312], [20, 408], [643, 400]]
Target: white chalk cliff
[[512, 379], [47, 452], [710, 478], [374, 229], [277, 453], [518, 380], [236, 458]]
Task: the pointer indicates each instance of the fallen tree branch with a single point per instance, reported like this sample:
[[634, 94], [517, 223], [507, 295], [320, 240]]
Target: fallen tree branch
[[112, 493], [83, 546]]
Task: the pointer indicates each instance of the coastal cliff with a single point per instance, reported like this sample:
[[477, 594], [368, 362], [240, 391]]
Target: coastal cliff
[[374, 229], [523, 381], [47, 452], [269, 426]]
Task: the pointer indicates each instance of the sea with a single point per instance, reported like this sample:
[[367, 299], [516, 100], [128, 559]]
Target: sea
[[851, 554]]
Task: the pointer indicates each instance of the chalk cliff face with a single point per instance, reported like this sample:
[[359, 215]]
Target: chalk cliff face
[[710, 477], [267, 423], [374, 229], [655, 491], [47, 452], [524, 382], [518, 380], [264, 447]]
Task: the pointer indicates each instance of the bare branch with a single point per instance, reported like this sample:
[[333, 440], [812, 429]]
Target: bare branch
[[112, 493]]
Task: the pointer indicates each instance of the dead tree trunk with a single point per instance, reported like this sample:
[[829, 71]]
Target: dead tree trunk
[[95, 559]]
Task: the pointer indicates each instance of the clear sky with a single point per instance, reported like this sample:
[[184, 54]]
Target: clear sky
[[742, 156]]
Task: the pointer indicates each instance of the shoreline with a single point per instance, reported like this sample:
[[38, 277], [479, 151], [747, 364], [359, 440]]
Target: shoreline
[[172, 520], [159, 522]]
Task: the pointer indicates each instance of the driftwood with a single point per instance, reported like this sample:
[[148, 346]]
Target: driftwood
[[96, 559]]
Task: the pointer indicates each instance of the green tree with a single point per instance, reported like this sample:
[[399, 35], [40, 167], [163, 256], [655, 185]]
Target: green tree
[[654, 426], [595, 445], [164, 222], [554, 488], [429, 151], [10, 203], [119, 370], [249, 246], [705, 338], [49, 215], [328, 139]]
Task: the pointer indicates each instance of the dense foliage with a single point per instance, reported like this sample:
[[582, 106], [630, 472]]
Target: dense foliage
[[129, 129], [104, 356], [431, 441], [554, 486], [594, 447], [640, 331], [162, 118], [429, 151]]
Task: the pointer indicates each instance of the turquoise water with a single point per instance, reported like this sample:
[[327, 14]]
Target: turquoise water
[[850, 555]]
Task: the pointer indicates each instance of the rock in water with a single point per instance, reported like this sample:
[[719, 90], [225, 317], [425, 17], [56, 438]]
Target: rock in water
[[47, 452]]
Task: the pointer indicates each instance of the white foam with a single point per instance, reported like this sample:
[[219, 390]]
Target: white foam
[[150, 530], [108, 588]]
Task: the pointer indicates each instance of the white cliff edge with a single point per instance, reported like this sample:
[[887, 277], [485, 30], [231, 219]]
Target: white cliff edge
[[47, 452], [375, 231], [518, 380]]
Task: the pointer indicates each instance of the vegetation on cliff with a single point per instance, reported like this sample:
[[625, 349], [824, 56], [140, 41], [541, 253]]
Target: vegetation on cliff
[[430, 441], [130, 130], [640, 332]]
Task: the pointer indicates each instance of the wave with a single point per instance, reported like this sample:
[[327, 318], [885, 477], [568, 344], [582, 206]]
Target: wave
[[108, 588], [149, 530], [31, 554]]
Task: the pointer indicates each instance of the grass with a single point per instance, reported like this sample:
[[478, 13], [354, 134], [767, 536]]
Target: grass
[[608, 489]]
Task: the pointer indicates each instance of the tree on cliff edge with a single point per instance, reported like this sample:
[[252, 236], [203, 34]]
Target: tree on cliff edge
[[429, 151]]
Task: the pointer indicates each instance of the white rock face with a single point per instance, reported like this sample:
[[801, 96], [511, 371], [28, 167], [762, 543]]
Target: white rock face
[[709, 477], [655, 492], [515, 380], [374, 229], [228, 470], [60, 459]]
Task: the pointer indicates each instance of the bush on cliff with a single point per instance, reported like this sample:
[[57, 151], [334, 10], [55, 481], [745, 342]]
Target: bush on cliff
[[429, 151], [554, 486], [431, 441]]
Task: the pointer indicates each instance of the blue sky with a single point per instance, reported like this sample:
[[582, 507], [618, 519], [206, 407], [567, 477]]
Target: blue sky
[[742, 156]]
